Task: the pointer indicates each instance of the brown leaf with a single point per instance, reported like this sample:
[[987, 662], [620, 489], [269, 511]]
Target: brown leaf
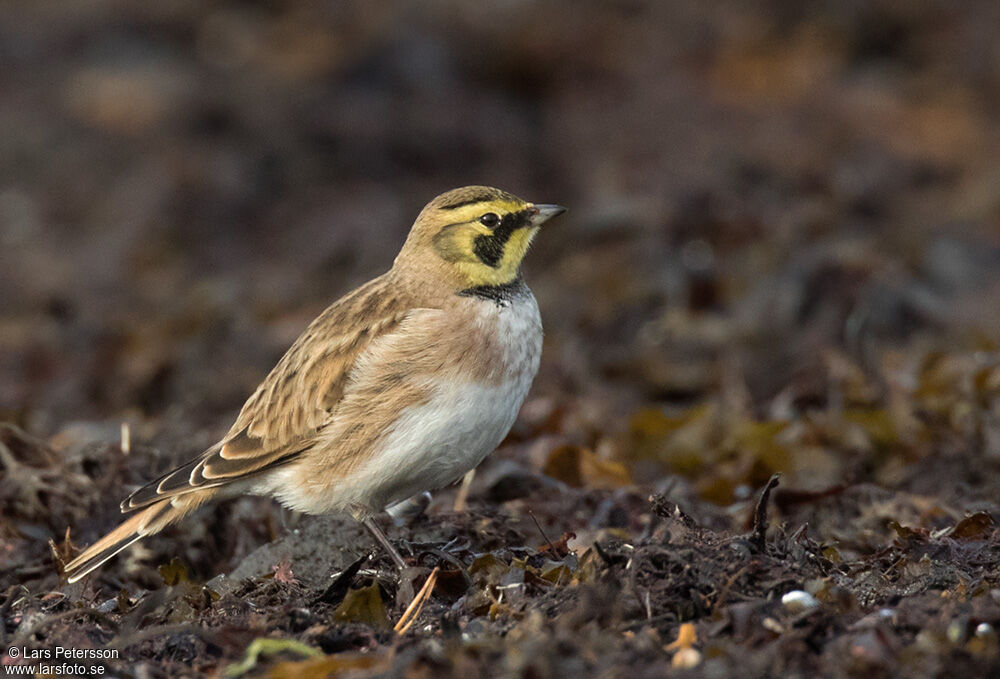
[[559, 548], [173, 573], [579, 467], [974, 527], [365, 606], [906, 533]]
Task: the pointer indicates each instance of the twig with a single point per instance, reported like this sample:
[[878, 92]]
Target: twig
[[724, 592], [8, 460], [656, 619], [545, 537], [463, 491], [453, 560], [37, 443], [126, 444], [759, 532], [417, 605]]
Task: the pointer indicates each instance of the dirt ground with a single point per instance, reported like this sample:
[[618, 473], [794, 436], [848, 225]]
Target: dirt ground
[[782, 256]]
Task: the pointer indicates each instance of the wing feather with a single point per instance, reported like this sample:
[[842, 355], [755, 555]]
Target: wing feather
[[282, 417]]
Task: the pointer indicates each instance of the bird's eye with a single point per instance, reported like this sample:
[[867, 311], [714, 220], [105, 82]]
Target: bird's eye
[[490, 219]]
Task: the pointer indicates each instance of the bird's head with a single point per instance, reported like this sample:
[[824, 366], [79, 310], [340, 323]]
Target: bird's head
[[478, 233]]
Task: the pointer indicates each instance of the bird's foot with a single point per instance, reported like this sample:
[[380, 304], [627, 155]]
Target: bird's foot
[[379, 536]]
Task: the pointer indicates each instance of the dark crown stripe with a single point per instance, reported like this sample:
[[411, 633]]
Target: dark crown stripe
[[470, 196], [471, 201]]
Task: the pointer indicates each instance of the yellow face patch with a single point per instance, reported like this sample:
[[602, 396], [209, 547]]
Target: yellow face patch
[[487, 240]]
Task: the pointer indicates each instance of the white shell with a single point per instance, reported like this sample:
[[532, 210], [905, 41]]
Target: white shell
[[798, 600]]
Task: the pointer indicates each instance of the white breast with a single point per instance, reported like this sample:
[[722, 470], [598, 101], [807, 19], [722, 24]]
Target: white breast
[[437, 442]]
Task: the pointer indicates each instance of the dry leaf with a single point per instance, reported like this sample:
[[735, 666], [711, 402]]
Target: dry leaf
[[363, 605]]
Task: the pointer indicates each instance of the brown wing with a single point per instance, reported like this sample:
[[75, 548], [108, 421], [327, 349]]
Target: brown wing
[[294, 401]]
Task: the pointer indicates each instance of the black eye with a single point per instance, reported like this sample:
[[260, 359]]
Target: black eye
[[490, 219]]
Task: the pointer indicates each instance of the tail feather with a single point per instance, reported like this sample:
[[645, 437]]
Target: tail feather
[[151, 520]]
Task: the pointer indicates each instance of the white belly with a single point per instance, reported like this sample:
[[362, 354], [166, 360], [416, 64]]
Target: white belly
[[436, 443]]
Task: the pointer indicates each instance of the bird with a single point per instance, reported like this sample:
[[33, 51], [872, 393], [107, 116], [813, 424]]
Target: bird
[[401, 386]]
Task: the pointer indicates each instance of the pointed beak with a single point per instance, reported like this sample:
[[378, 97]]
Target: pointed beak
[[543, 213]]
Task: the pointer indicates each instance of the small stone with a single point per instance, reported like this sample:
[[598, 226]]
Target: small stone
[[772, 625], [686, 658], [797, 601], [956, 632]]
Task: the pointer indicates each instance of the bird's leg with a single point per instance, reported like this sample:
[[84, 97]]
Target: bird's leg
[[410, 509], [373, 528]]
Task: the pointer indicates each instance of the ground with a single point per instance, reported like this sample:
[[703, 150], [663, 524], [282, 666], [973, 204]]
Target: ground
[[781, 257]]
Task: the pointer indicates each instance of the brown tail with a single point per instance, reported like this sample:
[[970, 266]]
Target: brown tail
[[151, 520]]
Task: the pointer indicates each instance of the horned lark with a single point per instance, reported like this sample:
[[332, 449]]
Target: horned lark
[[399, 387]]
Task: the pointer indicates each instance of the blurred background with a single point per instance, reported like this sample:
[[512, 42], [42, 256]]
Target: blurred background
[[782, 250]]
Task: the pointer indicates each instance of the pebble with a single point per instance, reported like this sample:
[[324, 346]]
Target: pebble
[[798, 600]]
